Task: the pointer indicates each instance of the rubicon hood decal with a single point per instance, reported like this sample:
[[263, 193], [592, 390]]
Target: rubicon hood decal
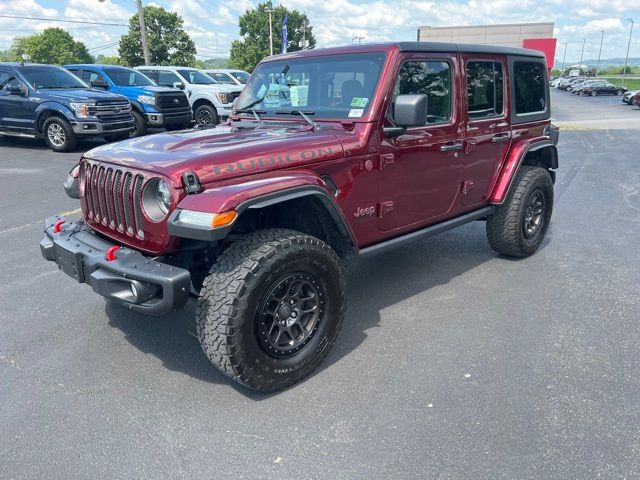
[[286, 159]]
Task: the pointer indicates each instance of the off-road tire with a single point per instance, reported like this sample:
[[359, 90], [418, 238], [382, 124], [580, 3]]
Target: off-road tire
[[140, 126], [232, 297], [70, 139], [207, 111], [506, 227]]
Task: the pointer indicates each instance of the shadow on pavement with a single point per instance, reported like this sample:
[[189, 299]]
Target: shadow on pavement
[[373, 284]]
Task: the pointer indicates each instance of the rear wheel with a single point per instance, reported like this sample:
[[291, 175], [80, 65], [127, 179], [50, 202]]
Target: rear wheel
[[206, 115], [59, 135], [519, 225], [271, 308], [594, 93]]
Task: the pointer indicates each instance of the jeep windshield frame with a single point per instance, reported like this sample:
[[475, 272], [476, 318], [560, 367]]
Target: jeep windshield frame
[[43, 77], [330, 87]]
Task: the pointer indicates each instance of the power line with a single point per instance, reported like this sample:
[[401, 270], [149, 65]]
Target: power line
[[65, 21]]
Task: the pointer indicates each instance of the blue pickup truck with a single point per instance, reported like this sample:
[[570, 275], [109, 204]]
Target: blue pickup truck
[[153, 106], [47, 101]]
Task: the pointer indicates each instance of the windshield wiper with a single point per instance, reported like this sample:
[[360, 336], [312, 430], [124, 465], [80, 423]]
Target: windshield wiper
[[301, 113], [256, 113]]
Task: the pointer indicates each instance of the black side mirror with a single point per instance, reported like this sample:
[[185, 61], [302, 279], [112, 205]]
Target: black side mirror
[[18, 89], [99, 83], [179, 85], [408, 111]]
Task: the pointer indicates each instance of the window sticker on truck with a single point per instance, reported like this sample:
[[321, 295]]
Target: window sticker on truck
[[359, 102], [356, 112]]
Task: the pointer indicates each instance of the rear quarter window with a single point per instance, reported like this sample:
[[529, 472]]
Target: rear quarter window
[[529, 87]]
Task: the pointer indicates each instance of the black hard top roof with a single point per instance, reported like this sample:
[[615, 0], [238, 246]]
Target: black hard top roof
[[467, 48]]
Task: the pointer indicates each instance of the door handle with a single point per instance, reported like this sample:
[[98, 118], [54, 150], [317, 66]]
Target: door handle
[[501, 137], [451, 147]]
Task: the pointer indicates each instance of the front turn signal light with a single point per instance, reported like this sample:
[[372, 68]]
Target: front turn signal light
[[223, 219]]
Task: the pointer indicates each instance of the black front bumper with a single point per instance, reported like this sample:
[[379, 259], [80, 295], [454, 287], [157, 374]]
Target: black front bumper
[[138, 282]]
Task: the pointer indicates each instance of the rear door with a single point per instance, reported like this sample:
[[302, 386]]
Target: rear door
[[487, 130]]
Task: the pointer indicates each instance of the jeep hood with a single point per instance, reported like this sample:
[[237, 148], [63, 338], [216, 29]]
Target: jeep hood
[[79, 95], [223, 152]]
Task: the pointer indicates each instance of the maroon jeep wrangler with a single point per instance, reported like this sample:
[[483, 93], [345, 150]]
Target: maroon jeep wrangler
[[329, 153]]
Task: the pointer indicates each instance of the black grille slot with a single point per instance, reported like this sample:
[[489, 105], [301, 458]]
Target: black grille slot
[[87, 190], [117, 197], [137, 205], [108, 193], [101, 196], [126, 200], [94, 193]]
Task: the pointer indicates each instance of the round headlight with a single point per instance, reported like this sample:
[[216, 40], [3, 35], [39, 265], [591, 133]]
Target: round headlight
[[156, 199]]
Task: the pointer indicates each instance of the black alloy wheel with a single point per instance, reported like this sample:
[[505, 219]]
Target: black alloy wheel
[[289, 314]]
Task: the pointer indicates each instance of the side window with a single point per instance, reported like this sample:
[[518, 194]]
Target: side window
[[88, 76], [433, 78], [485, 89], [529, 87], [153, 75], [167, 79], [4, 79]]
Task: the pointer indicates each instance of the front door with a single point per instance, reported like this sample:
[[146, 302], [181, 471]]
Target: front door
[[16, 111], [419, 181], [487, 130]]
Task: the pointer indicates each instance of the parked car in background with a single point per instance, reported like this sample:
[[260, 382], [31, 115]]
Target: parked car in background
[[211, 101], [600, 87], [563, 85], [50, 102], [630, 97], [228, 77], [576, 86], [153, 105]]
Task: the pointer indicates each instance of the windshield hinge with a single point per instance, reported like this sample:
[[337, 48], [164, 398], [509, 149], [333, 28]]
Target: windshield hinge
[[386, 159], [384, 208]]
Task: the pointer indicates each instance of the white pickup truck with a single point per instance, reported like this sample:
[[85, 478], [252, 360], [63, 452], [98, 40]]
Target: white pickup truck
[[210, 101]]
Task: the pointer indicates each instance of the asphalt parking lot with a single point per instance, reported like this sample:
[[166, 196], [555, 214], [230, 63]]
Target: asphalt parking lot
[[453, 362]]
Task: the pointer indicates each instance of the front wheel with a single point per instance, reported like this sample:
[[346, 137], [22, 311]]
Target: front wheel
[[594, 93], [206, 115], [271, 308], [519, 225], [59, 135], [140, 126], [620, 92]]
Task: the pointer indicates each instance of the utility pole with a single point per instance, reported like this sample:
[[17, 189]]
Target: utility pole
[[564, 56], [270, 11], [599, 52], [359, 39], [304, 34], [143, 33], [581, 56], [626, 58]]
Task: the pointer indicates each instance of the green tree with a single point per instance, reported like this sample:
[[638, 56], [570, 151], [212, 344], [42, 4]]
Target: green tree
[[108, 59], [254, 30], [168, 43], [53, 46]]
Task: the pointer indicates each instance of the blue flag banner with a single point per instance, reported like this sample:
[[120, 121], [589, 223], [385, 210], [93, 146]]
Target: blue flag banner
[[285, 22]]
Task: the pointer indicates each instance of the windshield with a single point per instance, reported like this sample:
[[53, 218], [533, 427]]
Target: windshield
[[242, 77], [196, 77], [125, 77], [51, 77], [336, 86]]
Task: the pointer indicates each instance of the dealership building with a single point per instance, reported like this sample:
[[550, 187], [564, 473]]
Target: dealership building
[[537, 36]]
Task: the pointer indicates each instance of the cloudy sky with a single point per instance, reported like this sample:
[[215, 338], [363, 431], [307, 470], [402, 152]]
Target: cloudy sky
[[213, 23]]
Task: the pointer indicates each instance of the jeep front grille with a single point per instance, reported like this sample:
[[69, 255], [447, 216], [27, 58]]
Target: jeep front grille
[[114, 198]]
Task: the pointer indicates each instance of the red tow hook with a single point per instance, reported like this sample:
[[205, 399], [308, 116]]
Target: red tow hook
[[57, 227], [111, 254]]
